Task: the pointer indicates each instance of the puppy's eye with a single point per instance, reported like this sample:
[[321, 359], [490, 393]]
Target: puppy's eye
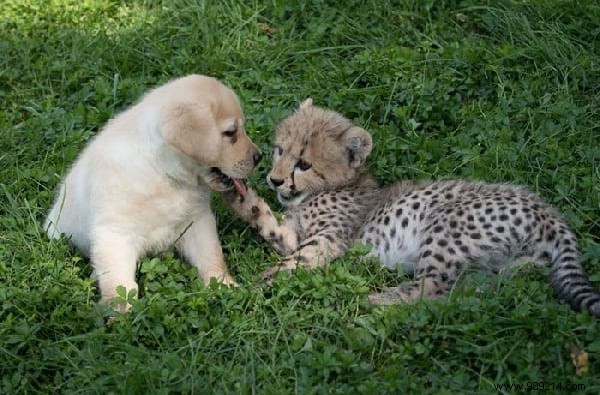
[[230, 133], [303, 165], [277, 150]]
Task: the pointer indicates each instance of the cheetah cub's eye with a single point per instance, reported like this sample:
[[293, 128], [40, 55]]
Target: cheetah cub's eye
[[303, 165], [277, 151]]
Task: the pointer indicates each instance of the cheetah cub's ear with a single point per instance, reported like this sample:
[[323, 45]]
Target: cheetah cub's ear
[[306, 103], [358, 145]]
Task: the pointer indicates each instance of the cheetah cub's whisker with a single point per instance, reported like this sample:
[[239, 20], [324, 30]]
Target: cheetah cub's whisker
[[434, 230]]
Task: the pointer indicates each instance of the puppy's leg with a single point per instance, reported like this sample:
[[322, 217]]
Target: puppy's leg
[[114, 258], [201, 247]]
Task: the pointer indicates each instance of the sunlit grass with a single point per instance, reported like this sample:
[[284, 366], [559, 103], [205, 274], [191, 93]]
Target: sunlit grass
[[498, 91]]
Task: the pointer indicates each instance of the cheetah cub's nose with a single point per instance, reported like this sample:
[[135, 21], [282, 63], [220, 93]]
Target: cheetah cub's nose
[[276, 181]]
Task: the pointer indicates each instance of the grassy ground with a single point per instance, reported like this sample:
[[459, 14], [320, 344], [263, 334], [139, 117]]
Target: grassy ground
[[492, 90]]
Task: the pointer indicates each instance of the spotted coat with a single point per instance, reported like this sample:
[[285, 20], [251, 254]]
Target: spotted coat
[[433, 230]]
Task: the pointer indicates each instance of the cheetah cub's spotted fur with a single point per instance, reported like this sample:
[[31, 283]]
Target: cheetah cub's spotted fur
[[432, 229]]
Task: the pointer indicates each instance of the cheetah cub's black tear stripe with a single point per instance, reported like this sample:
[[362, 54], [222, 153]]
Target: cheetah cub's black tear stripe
[[434, 230]]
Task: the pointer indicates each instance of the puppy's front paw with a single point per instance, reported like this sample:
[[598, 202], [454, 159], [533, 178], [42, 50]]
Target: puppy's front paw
[[118, 299], [223, 278], [227, 279]]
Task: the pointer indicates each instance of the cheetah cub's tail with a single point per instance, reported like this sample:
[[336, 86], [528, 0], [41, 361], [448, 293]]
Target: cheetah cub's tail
[[569, 280]]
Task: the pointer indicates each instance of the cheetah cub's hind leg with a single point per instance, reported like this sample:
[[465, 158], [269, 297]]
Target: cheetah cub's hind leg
[[433, 278], [436, 272]]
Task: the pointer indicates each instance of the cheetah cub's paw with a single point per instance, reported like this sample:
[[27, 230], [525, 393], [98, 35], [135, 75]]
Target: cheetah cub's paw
[[404, 293], [247, 207], [386, 297], [268, 275]]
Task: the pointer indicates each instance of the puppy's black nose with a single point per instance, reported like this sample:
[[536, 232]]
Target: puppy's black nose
[[276, 181], [256, 157]]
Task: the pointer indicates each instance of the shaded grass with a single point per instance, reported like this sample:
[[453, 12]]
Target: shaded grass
[[498, 91]]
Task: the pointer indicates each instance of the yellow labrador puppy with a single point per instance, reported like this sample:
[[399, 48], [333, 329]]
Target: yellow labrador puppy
[[143, 183]]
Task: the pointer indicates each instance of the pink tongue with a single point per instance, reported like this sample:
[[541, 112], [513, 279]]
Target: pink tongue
[[240, 186]]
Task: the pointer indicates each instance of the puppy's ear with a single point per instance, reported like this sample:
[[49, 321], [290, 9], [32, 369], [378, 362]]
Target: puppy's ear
[[192, 130], [306, 103], [358, 145]]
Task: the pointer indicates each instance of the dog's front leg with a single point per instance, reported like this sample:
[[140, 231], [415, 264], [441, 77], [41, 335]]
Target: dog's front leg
[[201, 247], [114, 258]]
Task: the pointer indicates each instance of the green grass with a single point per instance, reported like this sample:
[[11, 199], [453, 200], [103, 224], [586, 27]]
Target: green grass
[[504, 91]]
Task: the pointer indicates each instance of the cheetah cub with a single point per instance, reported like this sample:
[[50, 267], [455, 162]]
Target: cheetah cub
[[434, 230]]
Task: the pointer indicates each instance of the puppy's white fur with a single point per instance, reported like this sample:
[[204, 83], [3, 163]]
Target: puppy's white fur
[[143, 183]]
